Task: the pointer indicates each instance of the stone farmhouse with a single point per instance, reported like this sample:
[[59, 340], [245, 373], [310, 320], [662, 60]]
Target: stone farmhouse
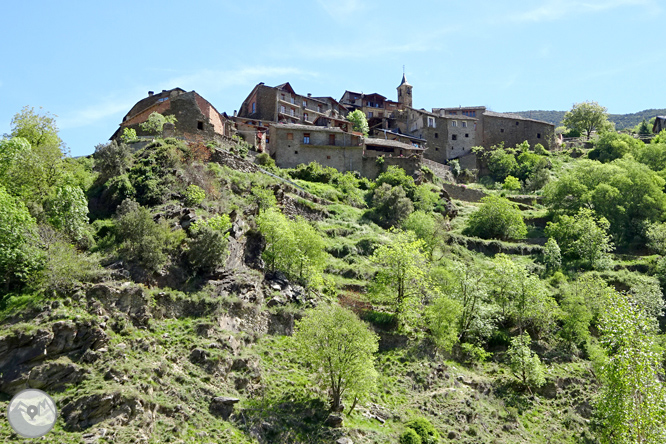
[[659, 124], [197, 119]]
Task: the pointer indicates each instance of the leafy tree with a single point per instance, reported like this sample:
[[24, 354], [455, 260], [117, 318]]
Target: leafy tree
[[501, 164], [586, 117], [129, 135], [428, 227], [625, 192], [359, 122], [155, 123], [11, 151], [632, 403], [443, 318], [339, 348], [390, 205], [20, 257], [396, 177], [477, 318], [403, 274], [424, 198], [576, 319], [656, 235], [552, 256], [208, 246], [264, 198], [497, 218], [112, 160], [194, 195], [67, 210], [39, 130], [524, 363], [583, 236], [511, 183], [611, 146], [409, 436]]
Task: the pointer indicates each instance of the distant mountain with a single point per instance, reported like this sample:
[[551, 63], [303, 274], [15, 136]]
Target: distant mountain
[[621, 121]]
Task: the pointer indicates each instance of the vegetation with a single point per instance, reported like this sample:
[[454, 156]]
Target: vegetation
[[497, 218], [586, 117], [155, 123], [359, 122]]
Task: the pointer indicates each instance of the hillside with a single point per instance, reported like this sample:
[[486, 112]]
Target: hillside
[[622, 121], [178, 292]]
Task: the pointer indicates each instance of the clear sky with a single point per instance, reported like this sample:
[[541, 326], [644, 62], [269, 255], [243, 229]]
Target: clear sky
[[88, 62]]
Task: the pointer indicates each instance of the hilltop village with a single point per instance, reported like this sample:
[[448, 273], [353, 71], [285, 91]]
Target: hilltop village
[[298, 129]]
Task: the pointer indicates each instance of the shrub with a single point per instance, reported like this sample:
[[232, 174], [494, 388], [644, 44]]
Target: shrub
[[443, 318], [410, 436], [194, 195], [67, 211], [524, 363], [540, 150], [264, 159], [129, 135], [511, 183], [390, 205], [424, 198], [314, 172], [207, 248], [396, 177], [112, 160], [501, 164], [497, 218], [155, 123], [264, 198], [425, 430], [552, 256]]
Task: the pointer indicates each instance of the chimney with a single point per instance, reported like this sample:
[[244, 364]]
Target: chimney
[[309, 95], [164, 90], [235, 113], [150, 93]]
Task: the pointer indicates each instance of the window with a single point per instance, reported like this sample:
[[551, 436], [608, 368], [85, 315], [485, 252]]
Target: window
[[453, 113], [305, 104], [254, 107], [466, 135], [282, 96], [292, 111], [517, 123], [464, 124], [305, 116], [318, 108], [200, 125], [436, 135], [454, 123], [538, 135], [282, 109], [431, 122], [436, 149], [328, 157], [454, 137], [290, 136], [291, 99], [331, 139], [501, 130], [306, 138], [369, 114], [295, 152]]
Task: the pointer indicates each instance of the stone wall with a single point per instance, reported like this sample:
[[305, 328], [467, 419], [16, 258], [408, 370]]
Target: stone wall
[[513, 131], [371, 169], [463, 193]]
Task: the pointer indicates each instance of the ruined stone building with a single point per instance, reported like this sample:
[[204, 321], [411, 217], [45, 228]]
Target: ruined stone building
[[196, 118]]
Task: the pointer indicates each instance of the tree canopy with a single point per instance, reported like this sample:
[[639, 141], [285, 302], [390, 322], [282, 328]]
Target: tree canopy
[[359, 122], [586, 117]]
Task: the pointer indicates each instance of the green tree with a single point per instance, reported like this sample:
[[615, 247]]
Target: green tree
[[524, 363], [339, 348], [129, 135], [424, 429], [264, 198], [511, 183], [501, 164], [643, 128], [403, 275], [208, 245], [67, 211], [359, 122], [583, 236], [443, 318], [469, 289], [632, 403], [155, 123], [194, 195], [586, 117], [409, 436], [611, 146], [390, 205], [497, 218], [20, 257], [552, 256], [40, 130], [112, 159], [430, 228]]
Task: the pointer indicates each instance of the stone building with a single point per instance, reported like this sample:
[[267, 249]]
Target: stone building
[[196, 118], [659, 124], [293, 144]]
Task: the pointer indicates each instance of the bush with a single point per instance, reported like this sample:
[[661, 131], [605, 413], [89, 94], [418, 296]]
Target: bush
[[314, 172], [396, 177], [155, 123], [143, 240], [501, 164], [390, 205], [264, 198], [410, 436], [511, 183], [497, 218], [552, 256], [207, 248], [264, 159], [194, 195], [524, 363], [112, 160], [67, 211], [425, 430], [443, 317]]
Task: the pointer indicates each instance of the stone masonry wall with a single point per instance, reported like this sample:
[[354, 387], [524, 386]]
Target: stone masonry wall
[[515, 131]]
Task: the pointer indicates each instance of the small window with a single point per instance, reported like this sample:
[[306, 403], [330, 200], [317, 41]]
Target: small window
[[464, 124], [319, 108], [454, 123], [305, 116], [501, 130], [331, 139], [454, 137], [199, 125], [517, 123], [431, 122], [436, 135], [290, 136], [292, 111], [282, 96], [328, 157], [305, 104], [306, 138], [295, 152], [436, 149], [538, 135], [466, 135], [282, 109], [370, 114], [254, 107]]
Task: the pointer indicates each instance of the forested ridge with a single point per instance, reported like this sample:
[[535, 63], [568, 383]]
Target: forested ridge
[[621, 121], [172, 291]]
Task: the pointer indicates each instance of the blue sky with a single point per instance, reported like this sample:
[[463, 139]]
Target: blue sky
[[89, 62]]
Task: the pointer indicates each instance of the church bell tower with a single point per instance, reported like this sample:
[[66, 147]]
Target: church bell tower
[[405, 93]]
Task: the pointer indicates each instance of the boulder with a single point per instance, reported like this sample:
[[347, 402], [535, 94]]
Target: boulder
[[222, 406], [334, 421]]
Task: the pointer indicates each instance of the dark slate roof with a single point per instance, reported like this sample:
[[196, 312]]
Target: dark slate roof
[[390, 143], [404, 81], [399, 134], [457, 117], [514, 117], [149, 101]]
